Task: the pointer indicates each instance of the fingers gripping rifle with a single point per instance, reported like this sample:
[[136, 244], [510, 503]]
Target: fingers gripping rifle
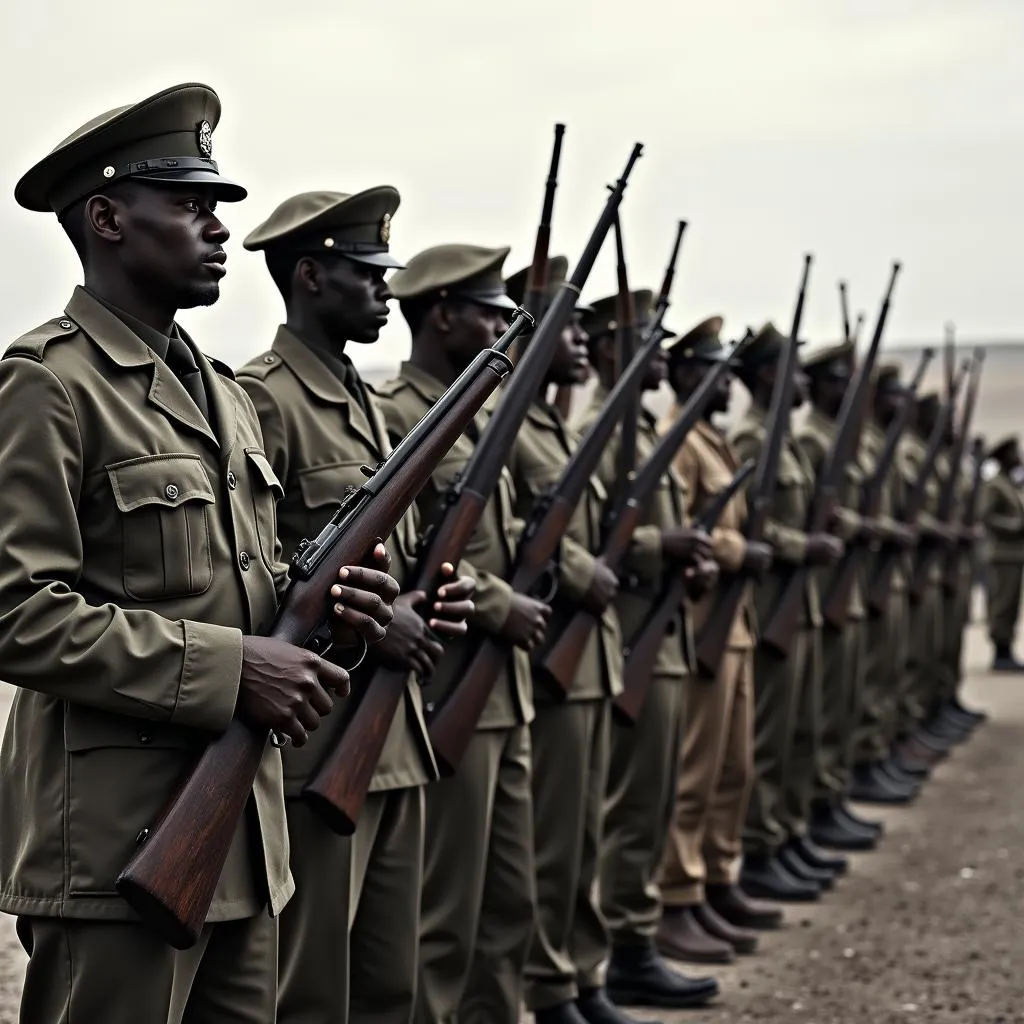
[[714, 634], [453, 723], [171, 878], [782, 626], [836, 602], [641, 650]]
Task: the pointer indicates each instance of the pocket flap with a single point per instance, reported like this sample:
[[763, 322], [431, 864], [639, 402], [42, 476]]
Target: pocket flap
[[328, 485], [88, 728], [168, 480], [265, 471]]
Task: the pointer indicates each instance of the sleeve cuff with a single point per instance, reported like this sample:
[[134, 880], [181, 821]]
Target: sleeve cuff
[[210, 675]]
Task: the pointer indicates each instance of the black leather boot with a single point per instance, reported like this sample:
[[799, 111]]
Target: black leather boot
[[764, 876], [638, 976]]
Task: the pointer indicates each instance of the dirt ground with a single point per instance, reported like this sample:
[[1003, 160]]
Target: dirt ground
[[926, 929]]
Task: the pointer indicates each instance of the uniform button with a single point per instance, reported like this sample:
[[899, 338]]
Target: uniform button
[[145, 737], [142, 836], [268, 359], [171, 491], [243, 561], [66, 325], [232, 481]]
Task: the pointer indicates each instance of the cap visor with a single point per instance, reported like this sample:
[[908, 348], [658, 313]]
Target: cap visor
[[373, 259], [494, 302], [227, 191]]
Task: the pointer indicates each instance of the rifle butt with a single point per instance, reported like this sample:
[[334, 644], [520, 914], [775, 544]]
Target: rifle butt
[[452, 725], [836, 606], [563, 659], [336, 791], [778, 634], [713, 638], [171, 879], [637, 672]]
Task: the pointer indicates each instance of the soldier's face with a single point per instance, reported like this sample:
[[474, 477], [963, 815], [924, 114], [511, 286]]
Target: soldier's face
[[172, 243], [570, 364], [888, 405], [472, 328], [352, 300], [723, 392], [801, 389], [656, 371]]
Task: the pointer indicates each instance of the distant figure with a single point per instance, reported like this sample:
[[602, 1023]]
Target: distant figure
[[1002, 512]]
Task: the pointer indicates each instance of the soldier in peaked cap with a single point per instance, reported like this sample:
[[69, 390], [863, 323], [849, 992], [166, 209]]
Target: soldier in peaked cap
[[707, 916], [844, 652], [779, 861], [478, 881], [139, 513], [645, 753], [1002, 513], [349, 938], [568, 736]]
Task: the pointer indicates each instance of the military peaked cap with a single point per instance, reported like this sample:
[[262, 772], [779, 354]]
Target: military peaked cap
[[603, 314], [558, 273], [887, 377], [165, 139], [929, 404], [831, 361], [763, 347], [457, 271], [1003, 447], [357, 226], [701, 344]]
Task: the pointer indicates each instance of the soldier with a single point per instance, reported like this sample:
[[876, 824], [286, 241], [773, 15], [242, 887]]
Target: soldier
[[644, 755], [140, 560], [779, 860], [707, 916], [844, 652], [478, 886], [358, 900], [887, 627], [1002, 513]]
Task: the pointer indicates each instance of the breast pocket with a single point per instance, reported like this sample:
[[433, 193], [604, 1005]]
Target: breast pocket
[[164, 503], [325, 487], [266, 493]]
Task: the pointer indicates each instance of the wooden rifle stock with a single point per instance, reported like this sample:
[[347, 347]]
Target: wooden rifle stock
[[641, 651], [783, 625], [836, 603], [714, 634], [172, 876], [564, 656]]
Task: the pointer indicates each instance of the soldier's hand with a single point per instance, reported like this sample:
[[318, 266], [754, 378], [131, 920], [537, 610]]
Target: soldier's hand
[[285, 688], [757, 559], [701, 577], [409, 643], [603, 588], [686, 543], [824, 549], [363, 599], [527, 622], [453, 604]]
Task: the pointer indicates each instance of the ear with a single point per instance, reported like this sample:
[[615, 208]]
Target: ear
[[605, 348], [103, 218], [307, 276], [439, 318]]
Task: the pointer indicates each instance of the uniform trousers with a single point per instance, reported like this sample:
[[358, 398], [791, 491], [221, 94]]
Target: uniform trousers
[[570, 743], [924, 656], [715, 778], [956, 610], [119, 972], [842, 703], [1005, 580], [479, 888], [350, 934]]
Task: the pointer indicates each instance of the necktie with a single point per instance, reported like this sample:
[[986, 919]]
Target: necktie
[[183, 365]]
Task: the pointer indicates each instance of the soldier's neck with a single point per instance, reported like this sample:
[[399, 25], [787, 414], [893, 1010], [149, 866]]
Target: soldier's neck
[[313, 332], [124, 296], [427, 357]]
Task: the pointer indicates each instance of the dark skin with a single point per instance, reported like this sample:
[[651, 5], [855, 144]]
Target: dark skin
[[681, 543], [821, 548], [684, 379], [152, 250], [334, 300], [570, 366], [450, 335]]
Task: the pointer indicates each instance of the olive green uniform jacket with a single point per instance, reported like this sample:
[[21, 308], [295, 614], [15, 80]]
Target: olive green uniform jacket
[[139, 546]]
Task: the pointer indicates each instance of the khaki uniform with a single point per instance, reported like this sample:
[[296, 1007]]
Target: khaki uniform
[[843, 652], [1002, 513], [478, 886], [787, 720], [569, 736], [887, 632], [956, 593], [139, 548], [717, 764], [926, 623], [645, 754], [319, 430]]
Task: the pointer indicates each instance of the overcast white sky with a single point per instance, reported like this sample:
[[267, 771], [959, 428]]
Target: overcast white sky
[[862, 130]]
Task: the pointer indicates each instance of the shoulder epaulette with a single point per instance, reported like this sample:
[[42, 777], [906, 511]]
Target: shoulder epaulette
[[389, 388], [262, 366], [33, 345]]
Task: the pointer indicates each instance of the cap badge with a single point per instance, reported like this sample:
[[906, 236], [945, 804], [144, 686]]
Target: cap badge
[[385, 228], [204, 134]]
